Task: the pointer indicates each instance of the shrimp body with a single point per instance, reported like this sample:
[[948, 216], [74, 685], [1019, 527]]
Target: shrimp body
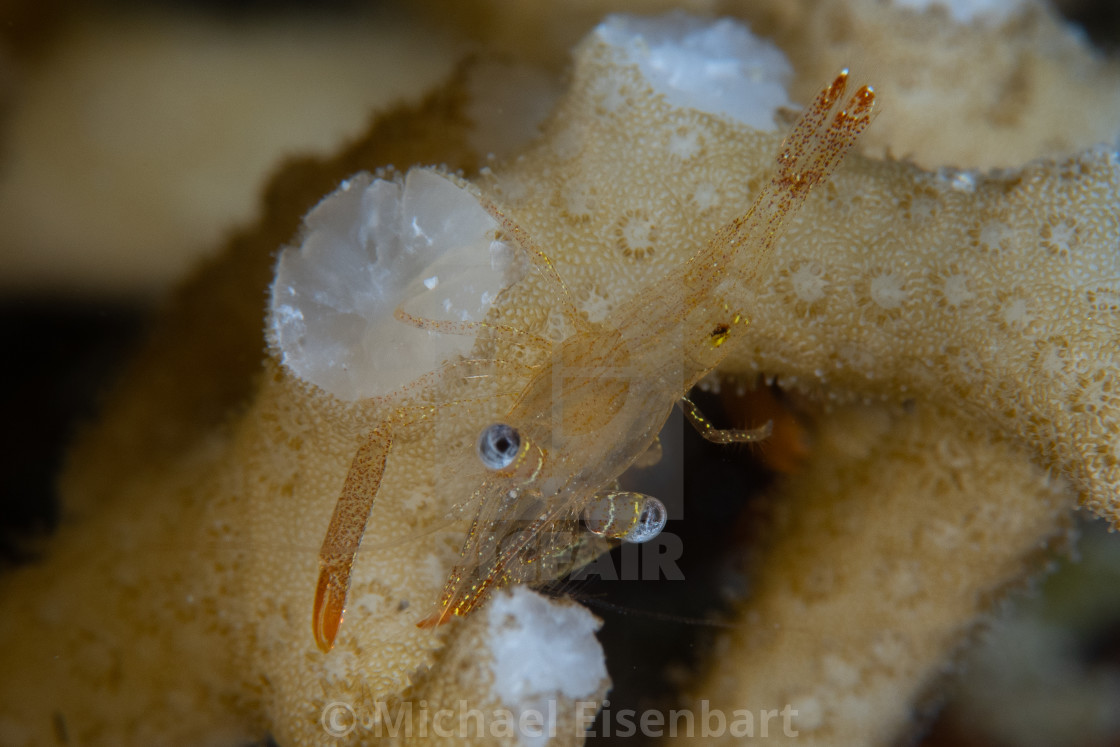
[[597, 401]]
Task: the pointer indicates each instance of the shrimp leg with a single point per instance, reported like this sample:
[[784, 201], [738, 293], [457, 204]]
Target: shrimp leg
[[540, 260], [705, 428], [344, 534], [473, 328], [465, 590]]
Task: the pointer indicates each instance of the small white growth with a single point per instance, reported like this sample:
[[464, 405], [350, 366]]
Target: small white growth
[[638, 232], [944, 535], [839, 671], [501, 256], [1062, 237], [966, 11], [579, 201], [962, 181], [374, 604], [810, 712], [955, 290], [809, 283], [889, 648], [712, 66], [1093, 397], [859, 358], [368, 248], [1053, 364], [969, 366], [904, 582], [993, 233], [705, 195], [1016, 313], [557, 327], [511, 189], [607, 94], [922, 207], [596, 306], [542, 650], [887, 292], [684, 145], [567, 143], [341, 666]]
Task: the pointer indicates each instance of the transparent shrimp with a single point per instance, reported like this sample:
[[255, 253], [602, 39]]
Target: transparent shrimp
[[596, 403]]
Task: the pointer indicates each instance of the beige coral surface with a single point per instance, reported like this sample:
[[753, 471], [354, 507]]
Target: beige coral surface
[[978, 310], [905, 527]]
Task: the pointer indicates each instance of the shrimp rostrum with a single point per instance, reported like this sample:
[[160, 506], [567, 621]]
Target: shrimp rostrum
[[595, 404]]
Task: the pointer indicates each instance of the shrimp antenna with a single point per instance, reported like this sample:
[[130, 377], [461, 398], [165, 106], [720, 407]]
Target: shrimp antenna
[[647, 614], [541, 261], [809, 154]]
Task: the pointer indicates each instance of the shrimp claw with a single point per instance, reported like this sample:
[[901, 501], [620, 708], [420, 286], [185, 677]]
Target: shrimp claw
[[344, 535]]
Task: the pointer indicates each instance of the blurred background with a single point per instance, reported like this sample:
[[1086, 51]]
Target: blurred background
[[135, 137]]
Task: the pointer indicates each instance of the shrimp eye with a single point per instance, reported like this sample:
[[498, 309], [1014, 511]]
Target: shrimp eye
[[498, 446]]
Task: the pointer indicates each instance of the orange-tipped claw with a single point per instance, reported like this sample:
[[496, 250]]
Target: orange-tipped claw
[[330, 605], [452, 605], [466, 589], [433, 620], [344, 536], [461, 607]]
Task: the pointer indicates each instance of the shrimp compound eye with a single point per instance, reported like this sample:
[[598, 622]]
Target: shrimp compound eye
[[630, 517], [498, 446], [650, 522]]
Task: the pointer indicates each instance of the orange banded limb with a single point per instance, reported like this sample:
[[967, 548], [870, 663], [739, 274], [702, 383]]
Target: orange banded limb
[[344, 535]]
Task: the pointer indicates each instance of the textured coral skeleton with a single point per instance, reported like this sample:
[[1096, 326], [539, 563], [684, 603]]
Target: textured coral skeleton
[[952, 333]]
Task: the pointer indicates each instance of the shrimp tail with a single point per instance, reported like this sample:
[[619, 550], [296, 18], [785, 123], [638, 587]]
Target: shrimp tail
[[344, 535]]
